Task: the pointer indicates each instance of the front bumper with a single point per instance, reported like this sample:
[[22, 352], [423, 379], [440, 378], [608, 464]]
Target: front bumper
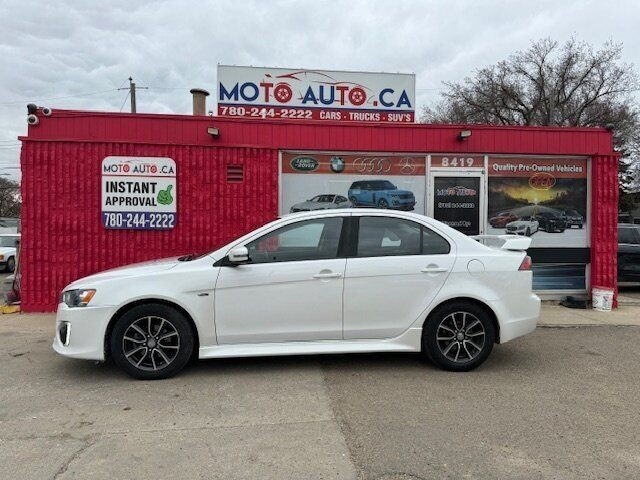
[[86, 329]]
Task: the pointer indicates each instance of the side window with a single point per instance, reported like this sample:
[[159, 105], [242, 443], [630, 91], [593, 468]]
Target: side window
[[433, 244], [385, 236], [627, 235], [308, 240]]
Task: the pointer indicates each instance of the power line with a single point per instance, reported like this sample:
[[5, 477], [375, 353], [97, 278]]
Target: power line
[[18, 102]]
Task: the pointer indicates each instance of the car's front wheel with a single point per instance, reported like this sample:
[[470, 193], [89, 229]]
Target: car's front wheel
[[11, 265], [383, 203], [354, 201], [458, 336], [152, 341]]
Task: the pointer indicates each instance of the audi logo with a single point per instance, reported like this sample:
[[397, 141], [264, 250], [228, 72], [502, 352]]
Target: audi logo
[[383, 165]]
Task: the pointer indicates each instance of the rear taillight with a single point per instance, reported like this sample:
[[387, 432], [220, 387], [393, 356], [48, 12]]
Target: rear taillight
[[526, 263]]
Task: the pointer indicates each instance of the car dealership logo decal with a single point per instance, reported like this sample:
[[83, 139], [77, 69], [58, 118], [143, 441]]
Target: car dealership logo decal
[[542, 181]]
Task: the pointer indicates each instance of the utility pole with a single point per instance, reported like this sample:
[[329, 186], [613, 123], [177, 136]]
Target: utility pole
[[132, 93]]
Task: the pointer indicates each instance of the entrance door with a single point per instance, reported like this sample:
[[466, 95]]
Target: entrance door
[[457, 199]]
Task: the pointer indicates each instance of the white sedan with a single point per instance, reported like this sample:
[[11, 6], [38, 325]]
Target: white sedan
[[353, 280]]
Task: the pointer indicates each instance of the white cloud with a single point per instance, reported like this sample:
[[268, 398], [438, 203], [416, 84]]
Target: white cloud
[[67, 48]]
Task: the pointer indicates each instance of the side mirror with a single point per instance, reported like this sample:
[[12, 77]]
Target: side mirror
[[239, 255]]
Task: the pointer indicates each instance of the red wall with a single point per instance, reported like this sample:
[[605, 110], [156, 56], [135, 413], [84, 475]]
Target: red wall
[[63, 237]]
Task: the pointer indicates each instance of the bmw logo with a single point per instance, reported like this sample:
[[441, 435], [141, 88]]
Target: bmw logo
[[337, 164]]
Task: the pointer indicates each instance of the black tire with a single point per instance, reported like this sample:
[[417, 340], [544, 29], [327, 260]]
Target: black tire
[[354, 202], [435, 349], [383, 204], [528, 233], [179, 338], [580, 226], [11, 265]]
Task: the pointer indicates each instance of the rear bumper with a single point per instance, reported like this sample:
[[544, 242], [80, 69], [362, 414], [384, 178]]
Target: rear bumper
[[86, 328], [517, 315]]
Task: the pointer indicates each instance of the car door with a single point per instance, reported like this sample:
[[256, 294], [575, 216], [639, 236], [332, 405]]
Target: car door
[[290, 290], [392, 276]]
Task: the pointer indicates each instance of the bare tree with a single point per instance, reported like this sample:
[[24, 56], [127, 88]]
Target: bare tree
[[9, 198], [552, 84]]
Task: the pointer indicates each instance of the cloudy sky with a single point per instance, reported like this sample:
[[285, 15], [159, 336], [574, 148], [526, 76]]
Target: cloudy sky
[[76, 54]]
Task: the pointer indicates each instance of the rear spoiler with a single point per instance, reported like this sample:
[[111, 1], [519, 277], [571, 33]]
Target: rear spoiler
[[504, 242]]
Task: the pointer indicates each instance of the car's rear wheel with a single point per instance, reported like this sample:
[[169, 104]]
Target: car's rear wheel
[[528, 232], [458, 336], [383, 203], [152, 341], [354, 202]]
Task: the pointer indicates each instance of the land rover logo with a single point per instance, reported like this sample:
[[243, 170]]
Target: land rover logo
[[337, 164], [304, 164]]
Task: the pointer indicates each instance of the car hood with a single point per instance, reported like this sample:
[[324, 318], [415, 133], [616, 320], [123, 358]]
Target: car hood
[[519, 223], [7, 250], [136, 269]]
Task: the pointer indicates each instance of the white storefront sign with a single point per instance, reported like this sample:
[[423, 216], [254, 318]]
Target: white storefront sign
[[315, 94], [139, 193]]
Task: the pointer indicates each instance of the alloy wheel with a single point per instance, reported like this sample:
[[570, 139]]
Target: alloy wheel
[[460, 337], [151, 343]]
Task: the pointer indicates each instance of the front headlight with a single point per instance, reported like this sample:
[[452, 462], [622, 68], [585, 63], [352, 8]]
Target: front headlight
[[77, 298]]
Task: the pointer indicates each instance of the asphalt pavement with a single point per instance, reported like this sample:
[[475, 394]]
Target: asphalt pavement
[[561, 403]]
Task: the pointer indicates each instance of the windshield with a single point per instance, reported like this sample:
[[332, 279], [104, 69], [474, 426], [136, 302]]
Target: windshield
[[9, 241], [323, 199]]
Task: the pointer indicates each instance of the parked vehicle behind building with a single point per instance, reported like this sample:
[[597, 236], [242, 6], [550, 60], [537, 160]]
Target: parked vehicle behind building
[[629, 253], [8, 251]]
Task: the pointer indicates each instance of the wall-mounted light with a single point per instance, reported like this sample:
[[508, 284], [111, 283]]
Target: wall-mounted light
[[213, 131], [464, 134]]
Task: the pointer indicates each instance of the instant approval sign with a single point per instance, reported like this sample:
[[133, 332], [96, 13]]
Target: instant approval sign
[[139, 193]]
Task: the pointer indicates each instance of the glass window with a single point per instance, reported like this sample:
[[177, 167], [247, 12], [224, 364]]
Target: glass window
[[628, 235], [433, 244], [308, 240], [384, 236], [9, 241]]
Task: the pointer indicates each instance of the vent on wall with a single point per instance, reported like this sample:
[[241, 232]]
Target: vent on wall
[[235, 173]]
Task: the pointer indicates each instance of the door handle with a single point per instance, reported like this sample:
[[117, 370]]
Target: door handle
[[327, 275], [434, 269]]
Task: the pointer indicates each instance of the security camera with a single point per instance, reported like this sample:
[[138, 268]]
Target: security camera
[[32, 119], [46, 111]]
